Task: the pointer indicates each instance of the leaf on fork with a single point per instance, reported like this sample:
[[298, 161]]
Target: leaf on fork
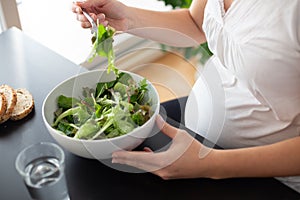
[[103, 46]]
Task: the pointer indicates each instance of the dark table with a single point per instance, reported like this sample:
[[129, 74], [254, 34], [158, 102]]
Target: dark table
[[26, 63]]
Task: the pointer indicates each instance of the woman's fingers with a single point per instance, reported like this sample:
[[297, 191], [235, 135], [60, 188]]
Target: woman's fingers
[[80, 4], [147, 159], [140, 159], [79, 16], [160, 163], [166, 128], [147, 149], [86, 25], [100, 18], [76, 8]]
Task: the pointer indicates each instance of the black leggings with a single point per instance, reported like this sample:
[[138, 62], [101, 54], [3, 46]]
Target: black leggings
[[174, 109]]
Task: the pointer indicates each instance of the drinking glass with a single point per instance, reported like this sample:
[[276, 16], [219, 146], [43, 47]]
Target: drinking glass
[[42, 167]]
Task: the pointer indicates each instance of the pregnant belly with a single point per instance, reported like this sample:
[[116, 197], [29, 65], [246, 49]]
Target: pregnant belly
[[223, 110], [205, 107]]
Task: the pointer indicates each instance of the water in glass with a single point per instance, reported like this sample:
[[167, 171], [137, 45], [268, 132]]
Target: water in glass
[[45, 179]]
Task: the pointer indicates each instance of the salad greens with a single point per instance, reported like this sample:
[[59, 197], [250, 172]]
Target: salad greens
[[112, 108], [103, 46], [109, 110]]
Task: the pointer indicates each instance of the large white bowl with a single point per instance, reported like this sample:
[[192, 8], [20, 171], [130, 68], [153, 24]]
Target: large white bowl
[[95, 149]]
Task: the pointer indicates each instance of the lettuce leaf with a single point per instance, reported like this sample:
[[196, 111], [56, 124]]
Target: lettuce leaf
[[103, 46]]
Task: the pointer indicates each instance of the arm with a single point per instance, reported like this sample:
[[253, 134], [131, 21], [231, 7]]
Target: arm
[[177, 27], [188, 158], [181, 27], [278, 159]]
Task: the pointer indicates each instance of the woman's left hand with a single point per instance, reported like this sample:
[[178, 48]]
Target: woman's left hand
[[183, 159]]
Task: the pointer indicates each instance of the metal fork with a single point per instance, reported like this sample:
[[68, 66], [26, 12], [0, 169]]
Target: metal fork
[[94, 28]]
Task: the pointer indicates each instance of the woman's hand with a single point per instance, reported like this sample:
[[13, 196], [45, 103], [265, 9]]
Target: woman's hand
[[105, 11], [185, 158], [175, 28]]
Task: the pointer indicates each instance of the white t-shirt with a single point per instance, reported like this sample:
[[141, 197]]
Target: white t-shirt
[[248, 94]]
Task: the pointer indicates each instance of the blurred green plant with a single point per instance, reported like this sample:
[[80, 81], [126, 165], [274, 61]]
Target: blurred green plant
[[178, 3], [202, 51]]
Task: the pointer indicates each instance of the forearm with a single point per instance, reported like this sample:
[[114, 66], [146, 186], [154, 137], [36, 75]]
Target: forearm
[[279, 159], [175, 28]]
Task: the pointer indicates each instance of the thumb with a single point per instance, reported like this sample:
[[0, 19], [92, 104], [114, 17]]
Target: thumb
[[83, 4], [78, 3], [166, 128]]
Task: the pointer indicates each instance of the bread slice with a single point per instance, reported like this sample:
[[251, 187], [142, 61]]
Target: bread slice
[[3, 104], [24, 106], [11, 99]]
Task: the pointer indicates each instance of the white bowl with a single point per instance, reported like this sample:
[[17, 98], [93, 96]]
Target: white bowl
[[95, 149]]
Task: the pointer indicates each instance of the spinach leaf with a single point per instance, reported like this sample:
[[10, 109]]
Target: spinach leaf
[[66, 102], [102, 87]]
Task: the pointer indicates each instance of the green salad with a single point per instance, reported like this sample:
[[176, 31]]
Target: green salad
[[112, 108]]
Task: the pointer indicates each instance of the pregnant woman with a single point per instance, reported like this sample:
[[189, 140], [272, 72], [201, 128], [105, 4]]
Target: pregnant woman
[[247, 98]]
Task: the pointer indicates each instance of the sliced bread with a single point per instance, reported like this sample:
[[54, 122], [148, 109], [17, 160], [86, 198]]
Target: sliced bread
[[11, 99], [3, 104], [24, 106]]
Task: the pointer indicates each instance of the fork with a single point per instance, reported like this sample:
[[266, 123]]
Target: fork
[[94, 28]]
